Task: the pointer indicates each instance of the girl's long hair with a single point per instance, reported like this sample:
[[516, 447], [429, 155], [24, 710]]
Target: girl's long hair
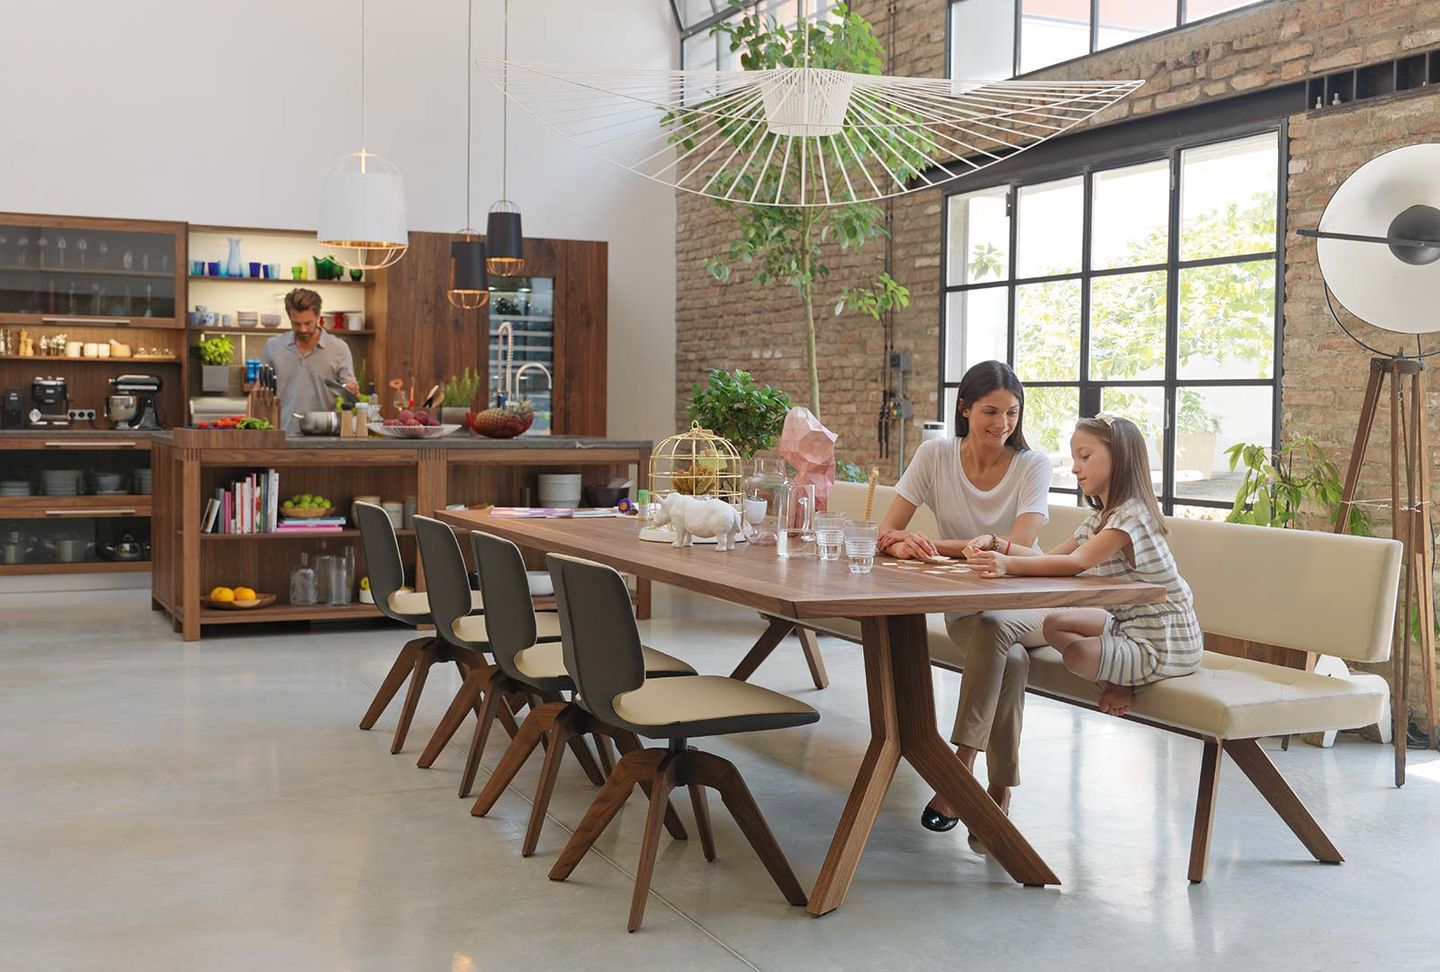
[[979, 381], [1129, 467]]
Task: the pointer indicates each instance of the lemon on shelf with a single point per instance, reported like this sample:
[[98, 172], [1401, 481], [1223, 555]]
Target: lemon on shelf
[[244, 594], [225, 594]]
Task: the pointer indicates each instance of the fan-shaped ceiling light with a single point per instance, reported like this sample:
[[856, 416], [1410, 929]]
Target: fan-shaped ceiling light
[[798, 136], [362, 201], [469, 287], [504, 238]]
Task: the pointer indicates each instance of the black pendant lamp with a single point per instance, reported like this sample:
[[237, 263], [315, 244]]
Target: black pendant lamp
[[469, 287], [504, 239]]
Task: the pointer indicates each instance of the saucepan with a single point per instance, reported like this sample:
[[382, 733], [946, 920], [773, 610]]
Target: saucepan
[[318, 423]]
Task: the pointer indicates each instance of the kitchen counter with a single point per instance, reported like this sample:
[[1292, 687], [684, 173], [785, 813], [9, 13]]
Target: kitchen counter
[[75, 433], [456, 441]]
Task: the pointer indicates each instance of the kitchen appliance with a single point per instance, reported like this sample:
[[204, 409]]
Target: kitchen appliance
[[318, 423], [49, 403], [121, 409], [14, 409], [145, 389]]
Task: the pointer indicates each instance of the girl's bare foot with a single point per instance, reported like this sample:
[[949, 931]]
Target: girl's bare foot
[[1115, 700]]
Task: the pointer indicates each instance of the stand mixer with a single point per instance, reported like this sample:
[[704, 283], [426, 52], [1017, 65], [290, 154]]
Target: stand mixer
[[132, 404]]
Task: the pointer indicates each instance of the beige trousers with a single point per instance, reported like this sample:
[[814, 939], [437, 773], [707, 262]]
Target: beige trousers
[[995, 646]]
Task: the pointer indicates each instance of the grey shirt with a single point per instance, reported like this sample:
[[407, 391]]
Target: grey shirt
[[302, 377]]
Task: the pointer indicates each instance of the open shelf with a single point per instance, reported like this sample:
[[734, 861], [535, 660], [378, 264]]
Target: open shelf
[[63, 359], [290, 612], [295, 534], [277, 282], [267, 331], [79, 567]]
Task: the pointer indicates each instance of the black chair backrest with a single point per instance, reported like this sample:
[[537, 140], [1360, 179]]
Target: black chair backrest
[[597, 630], [447, 583], [382, 555], [505, 588]]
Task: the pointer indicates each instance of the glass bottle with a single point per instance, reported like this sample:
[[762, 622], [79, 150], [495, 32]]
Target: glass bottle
[[303, 586], [795, 538], [764, 492]]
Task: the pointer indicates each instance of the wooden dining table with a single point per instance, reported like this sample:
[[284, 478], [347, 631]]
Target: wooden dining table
[[890, 603]]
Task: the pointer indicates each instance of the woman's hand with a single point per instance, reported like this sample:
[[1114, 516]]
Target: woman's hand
[[908, 545], [988, 563]]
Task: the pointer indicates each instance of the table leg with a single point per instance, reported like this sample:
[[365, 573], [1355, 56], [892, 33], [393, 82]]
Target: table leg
[[902, 724]]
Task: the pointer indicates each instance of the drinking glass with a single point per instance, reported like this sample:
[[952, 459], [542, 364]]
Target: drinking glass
[[60, 250], [829, 534], [860, 546], [82, 246]]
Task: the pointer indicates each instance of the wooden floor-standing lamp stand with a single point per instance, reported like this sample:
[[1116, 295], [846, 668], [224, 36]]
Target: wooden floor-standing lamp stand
[[1409, 444]]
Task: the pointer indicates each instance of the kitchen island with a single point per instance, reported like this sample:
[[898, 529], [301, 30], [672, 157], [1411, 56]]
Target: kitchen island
[[189, 467]]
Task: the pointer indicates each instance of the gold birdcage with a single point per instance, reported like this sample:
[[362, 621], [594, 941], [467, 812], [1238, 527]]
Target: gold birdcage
[[696, 463]]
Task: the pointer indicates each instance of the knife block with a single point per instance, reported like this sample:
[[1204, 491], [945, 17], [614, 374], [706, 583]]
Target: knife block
[[263, 403]]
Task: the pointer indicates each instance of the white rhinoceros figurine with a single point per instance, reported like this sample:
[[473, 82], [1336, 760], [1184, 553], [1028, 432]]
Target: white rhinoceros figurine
[[691, 517]]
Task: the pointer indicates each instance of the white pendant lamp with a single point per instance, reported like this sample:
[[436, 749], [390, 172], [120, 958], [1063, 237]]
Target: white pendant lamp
[[362, 201]]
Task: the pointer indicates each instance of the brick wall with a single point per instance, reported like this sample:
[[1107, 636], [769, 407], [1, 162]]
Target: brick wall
[[740, 325]]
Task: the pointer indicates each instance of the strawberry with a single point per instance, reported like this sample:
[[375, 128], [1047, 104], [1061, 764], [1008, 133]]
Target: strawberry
[[502, 423]]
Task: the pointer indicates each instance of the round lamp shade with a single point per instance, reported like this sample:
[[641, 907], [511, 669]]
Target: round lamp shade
[[362, 209], [1394, 195]]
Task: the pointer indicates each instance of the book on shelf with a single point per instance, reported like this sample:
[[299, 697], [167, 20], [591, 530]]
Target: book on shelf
[[249, 504]]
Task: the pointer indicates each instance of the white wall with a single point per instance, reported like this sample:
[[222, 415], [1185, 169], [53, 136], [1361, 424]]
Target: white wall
[[228, 113]]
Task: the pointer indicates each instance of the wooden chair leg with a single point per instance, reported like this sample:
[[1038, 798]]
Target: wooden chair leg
[[602, 748], [660, 786], [1205, 809], [711, 770], [701, 806], [762, 648], [404, 663], [627, 743], [560, 737], [477, 742], [1272, 786], [632, 768], [424, 658], [517, 753], [577, 743], [466, 700], [811, 646]]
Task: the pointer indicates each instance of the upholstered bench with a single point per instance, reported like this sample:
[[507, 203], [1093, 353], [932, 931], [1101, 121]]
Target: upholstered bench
[[1307, 591]]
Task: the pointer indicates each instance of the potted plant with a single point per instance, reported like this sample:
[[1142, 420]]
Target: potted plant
[[461, 394], [216, 353], [1275, 485], [748, 416]]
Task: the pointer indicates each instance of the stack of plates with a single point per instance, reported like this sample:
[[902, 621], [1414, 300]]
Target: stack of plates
[[109, 484], [14, 487], [247, 318], [559, 490], [60, 482], [142, 482]]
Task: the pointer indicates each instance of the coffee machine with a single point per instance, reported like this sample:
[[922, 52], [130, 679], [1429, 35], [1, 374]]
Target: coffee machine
[[133, 403], [49, 403], [14, 410]]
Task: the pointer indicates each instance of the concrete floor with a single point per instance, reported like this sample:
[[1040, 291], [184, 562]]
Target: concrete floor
[[212, 806]]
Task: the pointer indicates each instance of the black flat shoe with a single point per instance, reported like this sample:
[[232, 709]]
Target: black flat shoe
[[932, 819]]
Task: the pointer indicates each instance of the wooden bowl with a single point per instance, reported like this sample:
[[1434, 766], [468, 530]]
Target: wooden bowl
[[308, 513], [261, 600]]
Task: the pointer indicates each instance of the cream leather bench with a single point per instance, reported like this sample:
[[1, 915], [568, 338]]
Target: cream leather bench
[[1313, 592]]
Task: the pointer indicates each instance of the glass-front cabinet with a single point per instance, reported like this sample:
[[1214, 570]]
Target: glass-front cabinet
[[522, 344], [75, 270]]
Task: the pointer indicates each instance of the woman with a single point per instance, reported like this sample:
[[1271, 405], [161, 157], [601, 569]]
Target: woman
[[986, 488]]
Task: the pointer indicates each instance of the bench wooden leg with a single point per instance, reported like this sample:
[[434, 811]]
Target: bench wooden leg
[[763, 647], [811, 646], [1272, 786], [1205, 810]]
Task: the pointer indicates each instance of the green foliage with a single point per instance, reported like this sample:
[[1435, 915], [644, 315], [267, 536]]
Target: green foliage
[[217, 350], [849, 472], [1276, 485], [462, 389], [732, 405], [787, 244]]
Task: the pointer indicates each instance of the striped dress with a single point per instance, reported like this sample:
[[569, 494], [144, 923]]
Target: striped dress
[[1145, 642]]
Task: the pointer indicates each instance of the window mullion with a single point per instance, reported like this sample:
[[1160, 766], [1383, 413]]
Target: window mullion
[[1012, 205], [1087, 211], [1172, 340]]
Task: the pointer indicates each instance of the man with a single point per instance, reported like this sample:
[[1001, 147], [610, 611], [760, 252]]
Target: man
[[305, 358]]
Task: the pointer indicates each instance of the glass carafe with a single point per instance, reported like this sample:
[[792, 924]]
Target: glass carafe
[[304, 587], [764, 495], [795, 537]]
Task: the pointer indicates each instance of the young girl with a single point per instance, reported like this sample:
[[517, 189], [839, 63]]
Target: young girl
[[1123, 538]]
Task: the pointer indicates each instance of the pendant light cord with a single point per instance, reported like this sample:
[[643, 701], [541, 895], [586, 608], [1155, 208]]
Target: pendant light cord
[[362, 85], [469, 89], [505, 112]]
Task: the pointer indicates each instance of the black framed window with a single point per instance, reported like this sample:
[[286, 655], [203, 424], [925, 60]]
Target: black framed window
[[1148, 289], [993, 39]]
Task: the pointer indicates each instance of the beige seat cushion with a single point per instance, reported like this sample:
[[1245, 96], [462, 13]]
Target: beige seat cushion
[[417, 603], [708, 705], [472, 627], [547, 661]]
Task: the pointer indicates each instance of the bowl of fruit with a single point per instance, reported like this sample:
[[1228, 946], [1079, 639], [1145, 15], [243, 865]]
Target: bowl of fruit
[[504, 422], [417, 424], [236, 599], [305, 505]]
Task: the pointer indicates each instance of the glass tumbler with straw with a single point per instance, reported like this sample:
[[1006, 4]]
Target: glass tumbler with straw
[[860, 546], [829, 534]]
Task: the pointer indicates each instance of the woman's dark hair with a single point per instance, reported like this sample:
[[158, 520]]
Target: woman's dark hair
[[981, 380]]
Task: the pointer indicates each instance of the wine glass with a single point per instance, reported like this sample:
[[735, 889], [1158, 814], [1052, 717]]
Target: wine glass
[[128, 260], [22, 251], [97, 297], [148, 311], [145, 262], [104, 249], [41, 242], [80, 245], [60, 250]]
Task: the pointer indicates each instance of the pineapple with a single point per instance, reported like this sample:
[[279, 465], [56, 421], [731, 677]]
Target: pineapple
[[505, 422]]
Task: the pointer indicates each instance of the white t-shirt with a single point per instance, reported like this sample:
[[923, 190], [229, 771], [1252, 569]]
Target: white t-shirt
[[936, 478]]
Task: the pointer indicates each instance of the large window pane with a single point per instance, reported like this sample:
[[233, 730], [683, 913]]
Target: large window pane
[[1051, 217], [951, 394], [977, 324], [1227, 198], [1199, 9], [1052, 31], [978, 237], [1146, 408], [699, 55], [1047, 331], [982, 40], [1227, 321], [1207, 422], [1130, 216], [1050, 415], [1125, 20], [1127, 326]]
